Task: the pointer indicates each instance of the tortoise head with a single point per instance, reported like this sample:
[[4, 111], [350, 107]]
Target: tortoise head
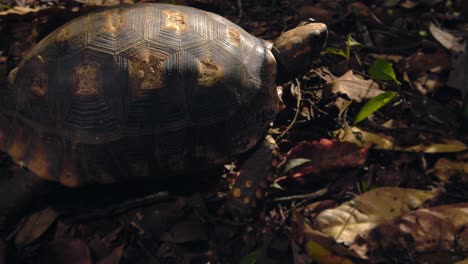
[[295, 49]]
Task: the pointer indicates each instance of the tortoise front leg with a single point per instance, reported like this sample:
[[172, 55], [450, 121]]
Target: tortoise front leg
[[256, 174]]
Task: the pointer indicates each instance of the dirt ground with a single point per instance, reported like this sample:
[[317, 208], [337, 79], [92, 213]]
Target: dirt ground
[[373, 150]]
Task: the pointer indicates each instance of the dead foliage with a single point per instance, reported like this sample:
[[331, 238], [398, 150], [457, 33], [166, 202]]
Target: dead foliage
[[373, 168]]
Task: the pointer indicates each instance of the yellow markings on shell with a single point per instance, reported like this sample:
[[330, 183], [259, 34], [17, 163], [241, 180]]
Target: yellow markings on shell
[[209, 73], [69, 180], [175, 20], [114, 23], [88, 79], [147, 73], [233, 35], [39, 83], [63, 35], [68, 176], [248, 184], [237, 193]]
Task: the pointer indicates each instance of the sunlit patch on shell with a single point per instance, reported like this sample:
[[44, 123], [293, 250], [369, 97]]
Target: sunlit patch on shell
[[175, 20], [39, 162], [233, 35], [63, 35], [147, 73], [236, 193], [39, 83], [88, 79], [248, 184], [19, 147], [68, 175], [114, 22], [209, 73]]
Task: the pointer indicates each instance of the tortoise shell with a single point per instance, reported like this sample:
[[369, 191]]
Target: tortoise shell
[[139, 91]]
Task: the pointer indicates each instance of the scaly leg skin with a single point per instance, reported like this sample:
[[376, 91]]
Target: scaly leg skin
[[17, 193], [256, 174]]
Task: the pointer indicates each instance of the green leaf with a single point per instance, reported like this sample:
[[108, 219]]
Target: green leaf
[[373, 105], [383, 71], [251, 258], [350, 42], [293, 163], [335, 51]]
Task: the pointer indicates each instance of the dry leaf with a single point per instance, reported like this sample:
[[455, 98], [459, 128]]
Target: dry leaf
[[379, 141], [431, 234], [354, 87], [445, 169], [446, 39], [356, 218], [35, 226], [325, 155]]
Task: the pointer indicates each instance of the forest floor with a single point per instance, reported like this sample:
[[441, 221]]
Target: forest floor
[[373, 148]]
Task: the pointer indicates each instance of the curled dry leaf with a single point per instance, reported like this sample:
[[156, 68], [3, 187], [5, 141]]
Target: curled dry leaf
[[425, 70], [446, 39], [354, 87], [380, 141], [323, 155], [19, 10], [35, 226], [321, 247], [435, 233], [446, 169], [356, 218], [416, 233]]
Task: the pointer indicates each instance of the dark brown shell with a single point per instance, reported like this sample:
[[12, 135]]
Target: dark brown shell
[[138, 91]]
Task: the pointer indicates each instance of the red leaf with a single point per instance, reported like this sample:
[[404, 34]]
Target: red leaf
[[327, 155]]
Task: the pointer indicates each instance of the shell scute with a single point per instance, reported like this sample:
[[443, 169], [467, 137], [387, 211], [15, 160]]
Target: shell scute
[[138, 91]]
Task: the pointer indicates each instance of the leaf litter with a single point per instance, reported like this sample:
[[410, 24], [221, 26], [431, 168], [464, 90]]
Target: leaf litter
[[349, 194]]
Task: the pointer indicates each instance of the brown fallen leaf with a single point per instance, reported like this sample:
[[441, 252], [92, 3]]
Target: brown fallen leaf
[[446, 170], [67, 251], [380, 141], [424, 70], [431, 234], [35, 226], [354, 87], [20, 10], [356, 218], [324, 155], [321, 247]]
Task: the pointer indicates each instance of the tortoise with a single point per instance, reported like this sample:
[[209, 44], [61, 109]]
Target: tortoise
[[143, 91]]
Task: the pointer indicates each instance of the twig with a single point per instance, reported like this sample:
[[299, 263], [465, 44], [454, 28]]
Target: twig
[[298, 105], [313, 195]]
